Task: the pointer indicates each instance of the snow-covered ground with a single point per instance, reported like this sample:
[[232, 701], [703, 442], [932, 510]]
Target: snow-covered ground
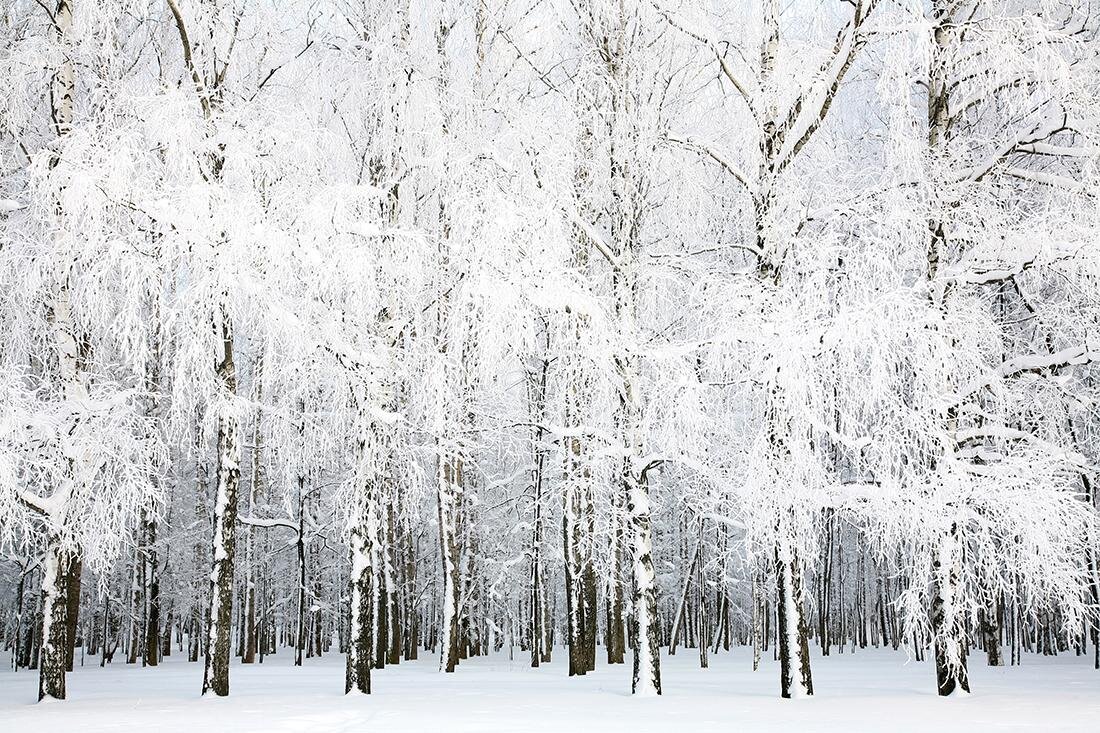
[[870, 691]]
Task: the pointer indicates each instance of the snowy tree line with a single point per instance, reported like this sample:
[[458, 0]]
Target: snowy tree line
[[552, 326]]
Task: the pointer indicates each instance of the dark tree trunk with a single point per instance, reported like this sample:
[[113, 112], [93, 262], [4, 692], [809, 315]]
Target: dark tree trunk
[[72, 609], [588, 583], [17, 636], [616, 635], [300, 544], [152, 620], [394, 595], [136, 631]]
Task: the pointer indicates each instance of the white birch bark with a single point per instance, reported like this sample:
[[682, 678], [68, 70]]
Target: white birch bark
[[74, 390]]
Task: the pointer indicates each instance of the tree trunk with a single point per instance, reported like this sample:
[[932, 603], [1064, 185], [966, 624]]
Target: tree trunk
[[362, 541], [793, 644], [393, 586], [948, 630], [412, 614], [380, 603], [616, 637], [136, 631], [537, 619], [576, 537], [72, 610], [647, 659], [300, 545], [588, 579], [254, 486], [53, 651], [152, 595], [574, 602], [216, 671], [449, 486], [703, 622], [681, 607], [991, 636], [360, 637], [54, 654], [17, 632]]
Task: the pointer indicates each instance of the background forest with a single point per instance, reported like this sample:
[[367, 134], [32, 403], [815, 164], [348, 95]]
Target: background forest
[[593, 328]]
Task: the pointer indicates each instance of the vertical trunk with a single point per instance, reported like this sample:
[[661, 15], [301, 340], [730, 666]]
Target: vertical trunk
[[380, 606], [576, 504], [948, 632], [152, 595], [792, 647], [537, 401], [647, 660], [883, 627], [148, 515], [588, 580], [300, 546], [196, 614], [549, 613], [72, 609], [825, 580], [703, 623], [17, 632], [574, 604], [536, 601], [469, 631], [384, 599], [219, 612], [616, 638], [991, 635], [109, 644], [792, 641], [362, 543], [317, 641], [136, 631], [359, 635], [412, 615], [248, 632], [681, 607], [265, 626], [54, 653], [254, 487], [722, 627], [449, 478], [1094, 623], [757, 619], [216, 669], [393, 586], [449, 486], [948, 624], [23, 651], [54, 644], [106, 629], [166, 635], [792, 636]]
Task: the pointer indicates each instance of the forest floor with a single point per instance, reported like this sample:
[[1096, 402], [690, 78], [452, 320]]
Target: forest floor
[[873, 690]]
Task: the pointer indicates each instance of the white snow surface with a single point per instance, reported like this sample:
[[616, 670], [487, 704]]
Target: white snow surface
[[873, 690]]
